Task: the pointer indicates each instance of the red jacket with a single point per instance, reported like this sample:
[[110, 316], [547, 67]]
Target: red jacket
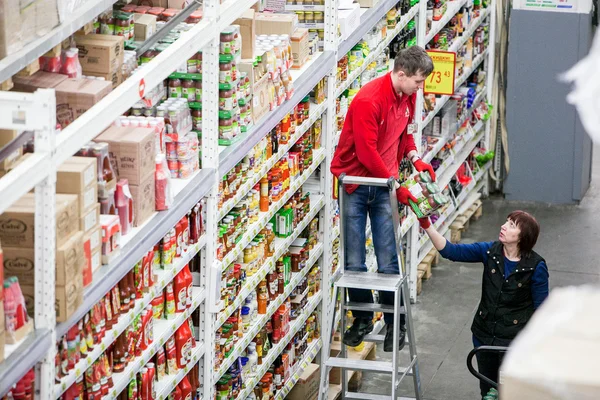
[[374, 139]]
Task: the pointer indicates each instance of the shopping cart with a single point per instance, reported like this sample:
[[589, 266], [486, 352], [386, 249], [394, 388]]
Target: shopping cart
[[473, 353]]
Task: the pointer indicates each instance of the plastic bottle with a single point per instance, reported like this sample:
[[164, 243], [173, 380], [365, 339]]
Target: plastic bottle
[[171, 354], [169, 301], [181, 343], [264, 194], [186, 389], [124, 203], [71, 67], [181, 289], [177, 395], [190, 282]]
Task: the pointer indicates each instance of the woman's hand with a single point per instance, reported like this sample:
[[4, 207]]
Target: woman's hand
[[424, 222]]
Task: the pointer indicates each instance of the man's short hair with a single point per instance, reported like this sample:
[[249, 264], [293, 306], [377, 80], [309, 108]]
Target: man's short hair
[[413, 60]]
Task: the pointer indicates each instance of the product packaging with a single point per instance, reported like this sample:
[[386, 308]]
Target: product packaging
[[428, 195]]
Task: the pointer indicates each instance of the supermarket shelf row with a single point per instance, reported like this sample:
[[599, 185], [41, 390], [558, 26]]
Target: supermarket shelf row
[[444, 139], [437, 26], [140, 240], [309, 356], [163, 330], [281, 247], [265, 217], [167, 384], [441, 101], [448, 169], [278, 349], [316, 111], [304, 81], [22, 356], [257, 325], [368, 20], [163, 278], [376, 52]]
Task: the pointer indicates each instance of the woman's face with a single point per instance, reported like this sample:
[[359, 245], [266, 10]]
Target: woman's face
[[509, 233]]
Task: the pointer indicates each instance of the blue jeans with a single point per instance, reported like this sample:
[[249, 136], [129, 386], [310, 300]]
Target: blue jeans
[[375, 202]]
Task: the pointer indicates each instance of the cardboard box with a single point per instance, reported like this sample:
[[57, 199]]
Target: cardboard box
[[17, 223], [115, 77], [76, 174], [145, 26], [143, 200], [280, 24], [22, 332], [90, 220], [100, 53], [132, 152], [20, 262], [349, 20], [68, 298], [16, 21], [6, 136], [307, 387], [96, 260], [76, 96], [260, 99], [152, 3], [300, 47], [94, 238], [555, 357], [248, 32], [178, 4], [39, 80]]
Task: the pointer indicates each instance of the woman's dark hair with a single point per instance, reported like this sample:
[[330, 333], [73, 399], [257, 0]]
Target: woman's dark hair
[[530, 230]]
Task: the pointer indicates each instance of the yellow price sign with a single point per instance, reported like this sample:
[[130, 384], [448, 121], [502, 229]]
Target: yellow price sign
[[441, 80]]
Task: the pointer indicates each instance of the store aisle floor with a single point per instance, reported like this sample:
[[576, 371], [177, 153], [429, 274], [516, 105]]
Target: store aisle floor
[[444, 311]]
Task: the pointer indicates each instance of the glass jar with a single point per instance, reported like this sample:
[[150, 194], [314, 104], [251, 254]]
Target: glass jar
[[301, 17], [309, 17], [319, 17], [226, 99], [225, 68], [227, 40], [225, 126]]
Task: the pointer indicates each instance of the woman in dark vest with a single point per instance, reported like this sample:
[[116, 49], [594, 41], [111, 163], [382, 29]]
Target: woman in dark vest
[[515, 283]]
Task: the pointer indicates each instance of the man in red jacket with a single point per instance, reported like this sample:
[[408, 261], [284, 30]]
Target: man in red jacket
[[377, 135]]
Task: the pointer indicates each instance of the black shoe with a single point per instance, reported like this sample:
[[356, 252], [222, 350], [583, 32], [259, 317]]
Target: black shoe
[[388, 342], [356, 333]]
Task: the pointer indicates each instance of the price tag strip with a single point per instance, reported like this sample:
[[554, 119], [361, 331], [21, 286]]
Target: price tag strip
[[276, 350], [318, 157], [242, 344], [281, 246], [316, 111]]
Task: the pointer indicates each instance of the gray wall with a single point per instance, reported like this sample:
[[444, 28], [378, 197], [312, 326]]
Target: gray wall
[[550, 153]]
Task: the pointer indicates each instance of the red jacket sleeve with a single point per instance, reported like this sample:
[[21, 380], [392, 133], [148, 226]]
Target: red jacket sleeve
[[410, 144], [366, 128]]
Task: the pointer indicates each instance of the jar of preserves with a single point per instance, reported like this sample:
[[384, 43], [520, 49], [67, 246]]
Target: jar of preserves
[[226, 98], [225, 125], [225, 68], [175, 89], [227, 39], [188, 90], [309, 17]]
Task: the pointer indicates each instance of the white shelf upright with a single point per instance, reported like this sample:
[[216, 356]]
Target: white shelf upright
[[34, 112]]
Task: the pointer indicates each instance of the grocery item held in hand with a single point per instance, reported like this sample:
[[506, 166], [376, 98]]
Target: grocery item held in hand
[[428, 194]]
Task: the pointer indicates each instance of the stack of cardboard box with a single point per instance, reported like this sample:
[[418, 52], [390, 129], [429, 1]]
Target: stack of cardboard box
[[17, 233], [102, 56], [6, 136], [132, 154], [78, 176]]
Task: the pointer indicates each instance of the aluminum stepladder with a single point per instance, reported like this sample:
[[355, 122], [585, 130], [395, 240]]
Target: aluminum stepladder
[[398, 284]]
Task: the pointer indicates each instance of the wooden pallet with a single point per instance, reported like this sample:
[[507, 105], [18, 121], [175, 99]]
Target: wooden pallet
[[420, 282]]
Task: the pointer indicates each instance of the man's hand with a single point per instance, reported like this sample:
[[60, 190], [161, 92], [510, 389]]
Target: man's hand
[[424, 222], [403, 195], [421, 166]]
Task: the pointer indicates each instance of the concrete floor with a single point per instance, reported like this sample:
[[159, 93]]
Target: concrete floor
[[444, 311]]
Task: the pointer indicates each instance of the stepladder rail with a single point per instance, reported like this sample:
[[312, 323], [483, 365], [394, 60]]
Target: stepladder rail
[[367, 181]]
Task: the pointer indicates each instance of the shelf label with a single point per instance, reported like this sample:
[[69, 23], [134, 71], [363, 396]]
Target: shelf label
[[441, 80]]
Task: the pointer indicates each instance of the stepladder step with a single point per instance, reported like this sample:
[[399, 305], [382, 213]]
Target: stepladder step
[[375, 307], [360, 365], [370, 281], [371, 396]]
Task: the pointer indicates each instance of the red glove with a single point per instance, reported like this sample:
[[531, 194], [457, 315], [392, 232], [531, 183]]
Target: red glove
[[421, 166], [403, 195], [424, 222]]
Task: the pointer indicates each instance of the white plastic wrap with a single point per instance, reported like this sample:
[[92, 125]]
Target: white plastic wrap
[[557, 355], [585, 76]]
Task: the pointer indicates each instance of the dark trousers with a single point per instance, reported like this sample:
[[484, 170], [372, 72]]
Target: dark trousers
[[373, 202], [488, 364]]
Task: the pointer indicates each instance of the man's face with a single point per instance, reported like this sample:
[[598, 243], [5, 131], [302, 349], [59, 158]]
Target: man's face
[[409, 85]]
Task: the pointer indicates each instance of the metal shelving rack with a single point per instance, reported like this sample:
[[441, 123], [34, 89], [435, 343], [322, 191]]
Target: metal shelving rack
[[36, 112]]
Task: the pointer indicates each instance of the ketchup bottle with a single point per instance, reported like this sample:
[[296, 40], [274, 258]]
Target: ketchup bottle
[[186, 389], [177, 395], [124, 203], [189, 281], [181, 288], [183, 344], [185, 223]]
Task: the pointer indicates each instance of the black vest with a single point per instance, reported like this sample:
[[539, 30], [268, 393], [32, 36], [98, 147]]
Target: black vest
[[506, 303]]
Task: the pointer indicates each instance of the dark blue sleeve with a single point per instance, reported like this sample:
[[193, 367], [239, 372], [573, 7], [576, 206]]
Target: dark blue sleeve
[[473, 252], [539, 284]]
